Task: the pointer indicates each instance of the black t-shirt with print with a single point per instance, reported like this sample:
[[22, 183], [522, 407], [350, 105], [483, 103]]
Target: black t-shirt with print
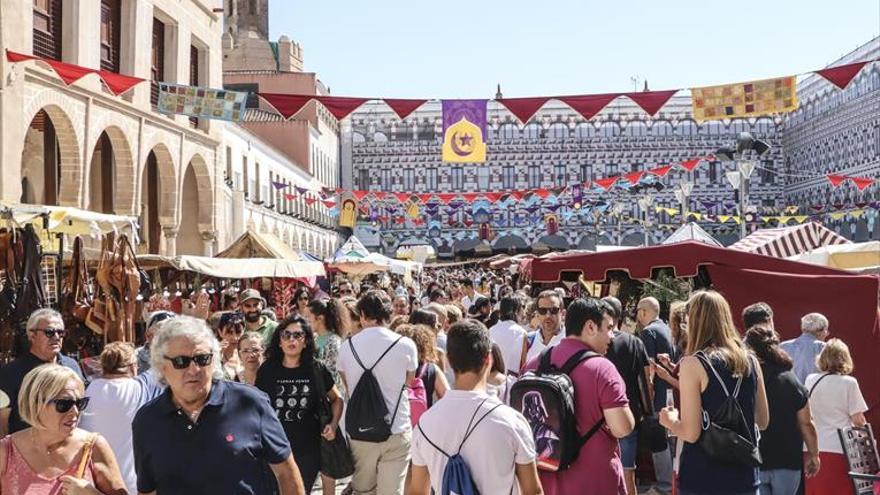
[[781, 442], [294, 398]]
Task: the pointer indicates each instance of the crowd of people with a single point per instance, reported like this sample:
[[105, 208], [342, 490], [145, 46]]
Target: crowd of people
[[472, 384]]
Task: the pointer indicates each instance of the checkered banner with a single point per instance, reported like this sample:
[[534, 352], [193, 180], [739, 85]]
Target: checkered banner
[[746, 99], [201, 102]]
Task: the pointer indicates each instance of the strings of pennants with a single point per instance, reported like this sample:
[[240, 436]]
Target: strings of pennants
[[861, 183], [587, 105]]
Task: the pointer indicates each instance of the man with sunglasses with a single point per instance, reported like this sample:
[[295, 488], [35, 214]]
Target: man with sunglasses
[[551, 314], [206, 435], [251, 306], [45, 333]]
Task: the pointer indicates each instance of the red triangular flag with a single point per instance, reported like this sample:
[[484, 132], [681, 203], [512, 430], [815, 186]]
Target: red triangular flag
[[841, 75], [311, 201], [468, 222], [524, 108], [862, 182], [329, 203], [447, 197], [18, 57], [451, 221], [651, 101], [634, 177], [542, 193], [691, 164], [399, 220], [403, 107], [118, 83], [360, 195], [286, 105], [606, 183], [836, 180], [517, 195], [402, 197], [424, 198], [341, 106], [493, 197], [380, 195], [660, 171], [290, 197], [470, 197], [588, 105], [68, 72]]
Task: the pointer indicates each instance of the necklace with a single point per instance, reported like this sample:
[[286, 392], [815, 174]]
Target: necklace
[[49, 449]]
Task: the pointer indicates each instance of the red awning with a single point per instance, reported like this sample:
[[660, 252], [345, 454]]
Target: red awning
[[792, 289], [70, 73]]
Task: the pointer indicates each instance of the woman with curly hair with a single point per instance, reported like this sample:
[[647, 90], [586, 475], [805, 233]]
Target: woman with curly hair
[[428, 371]]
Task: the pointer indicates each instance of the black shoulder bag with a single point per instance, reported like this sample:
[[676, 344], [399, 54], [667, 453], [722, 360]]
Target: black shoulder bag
[[336, 459]]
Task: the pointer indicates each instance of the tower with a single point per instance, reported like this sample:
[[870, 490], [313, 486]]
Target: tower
[[247, 18]]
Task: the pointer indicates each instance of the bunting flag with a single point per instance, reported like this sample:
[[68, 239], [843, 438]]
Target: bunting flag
[[836, 180], [203, 103], [340, 106], [70, 73], [651, 101], [523, 108], [348, 214], [464, 131], [634, 177], [290, 197], [279, 185], [746, 99], [661, 171], [588, 105], [310, 201], [360, 195], [380, 195], [403, 107], [286, 105], [841, 75], [862, 183], [329, 203], [606, 183], [690, 165]]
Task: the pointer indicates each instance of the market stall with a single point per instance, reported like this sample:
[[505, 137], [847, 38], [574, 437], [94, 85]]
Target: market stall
[[862, 257], [789, 241]]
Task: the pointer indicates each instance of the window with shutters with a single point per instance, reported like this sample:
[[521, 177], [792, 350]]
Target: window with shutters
[[193, 75], [47, 29], [111, 14], [157, 60]]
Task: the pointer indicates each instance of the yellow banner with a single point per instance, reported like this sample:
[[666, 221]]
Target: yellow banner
[[745, 99]]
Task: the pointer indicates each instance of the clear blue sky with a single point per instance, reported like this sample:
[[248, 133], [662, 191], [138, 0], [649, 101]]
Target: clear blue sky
[[461, 49]]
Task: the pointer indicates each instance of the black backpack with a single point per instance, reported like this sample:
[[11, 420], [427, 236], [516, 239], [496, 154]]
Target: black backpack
[[366, 417], [727, 436], [546, 398]]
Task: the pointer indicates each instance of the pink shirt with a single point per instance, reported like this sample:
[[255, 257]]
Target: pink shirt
[[18, 478], [597, 386]]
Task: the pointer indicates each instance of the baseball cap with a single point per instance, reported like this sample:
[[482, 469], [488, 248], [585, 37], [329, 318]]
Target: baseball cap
[[249, 294], [231, 318]]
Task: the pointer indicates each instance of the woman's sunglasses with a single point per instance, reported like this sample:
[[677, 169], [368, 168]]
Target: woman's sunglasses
[[64, 405], [183, 362], [296, 334]]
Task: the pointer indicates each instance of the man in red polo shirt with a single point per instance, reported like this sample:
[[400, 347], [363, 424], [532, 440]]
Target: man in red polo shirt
[[600, 393]]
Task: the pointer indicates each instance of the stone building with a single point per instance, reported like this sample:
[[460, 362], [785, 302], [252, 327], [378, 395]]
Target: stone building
[[833, 132], [79, 145]]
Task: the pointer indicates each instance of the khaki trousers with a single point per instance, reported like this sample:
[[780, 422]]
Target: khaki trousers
[[380, 468]]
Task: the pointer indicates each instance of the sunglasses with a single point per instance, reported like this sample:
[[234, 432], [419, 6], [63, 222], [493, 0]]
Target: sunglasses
[[296, 334], [345, 291], [552, 311], [183, 362], [64, 405], [52, 332]]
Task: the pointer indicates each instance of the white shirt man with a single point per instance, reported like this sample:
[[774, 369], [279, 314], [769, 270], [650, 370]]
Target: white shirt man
[[499, 452], [510, 336]]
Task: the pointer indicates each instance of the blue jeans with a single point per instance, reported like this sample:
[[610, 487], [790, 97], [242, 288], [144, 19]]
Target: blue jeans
[[780, 481], [629, 446]]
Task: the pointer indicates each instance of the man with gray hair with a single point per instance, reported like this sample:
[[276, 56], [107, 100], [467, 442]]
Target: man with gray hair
[[804, 349], [45, 334], [202, 422]]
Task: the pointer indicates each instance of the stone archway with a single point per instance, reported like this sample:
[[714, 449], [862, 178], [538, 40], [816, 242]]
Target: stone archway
[[111, 174], [51, 171], [158, 201]]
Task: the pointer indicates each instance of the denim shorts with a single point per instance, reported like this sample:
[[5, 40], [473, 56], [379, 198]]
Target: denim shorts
[[629, 447]]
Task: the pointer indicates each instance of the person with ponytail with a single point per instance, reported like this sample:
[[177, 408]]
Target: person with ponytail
[[715, 359], [791, 422]]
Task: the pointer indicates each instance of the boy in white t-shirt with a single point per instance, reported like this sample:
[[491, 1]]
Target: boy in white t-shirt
[[499, 450], [510, 335]]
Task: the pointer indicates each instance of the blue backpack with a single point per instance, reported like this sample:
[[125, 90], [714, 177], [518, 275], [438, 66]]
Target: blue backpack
[[457, 479]]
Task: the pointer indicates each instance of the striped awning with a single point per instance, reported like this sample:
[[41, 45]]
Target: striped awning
[[789, 241]]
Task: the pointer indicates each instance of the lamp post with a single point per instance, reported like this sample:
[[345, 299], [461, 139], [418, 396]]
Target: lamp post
[[746, 147], [645, 203], [682, 194]]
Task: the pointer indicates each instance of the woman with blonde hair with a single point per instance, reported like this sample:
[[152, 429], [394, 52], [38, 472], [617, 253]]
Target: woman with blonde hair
[[836, 402], [54, 455], [428, 369], [115, 398], [716, 365], [250, 348]]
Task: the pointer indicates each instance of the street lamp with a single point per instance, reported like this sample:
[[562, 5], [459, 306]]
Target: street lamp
[[645, 203], [746, 147], [682, 194]]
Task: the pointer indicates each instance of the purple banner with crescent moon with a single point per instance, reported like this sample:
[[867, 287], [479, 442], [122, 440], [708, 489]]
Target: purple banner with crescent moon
[[464, 131]]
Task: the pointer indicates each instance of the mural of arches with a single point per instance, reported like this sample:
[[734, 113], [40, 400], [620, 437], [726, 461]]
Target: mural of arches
[[633, 239], [589, 242], [158, 197], [510, 244], [50, 164], [111, 174]]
